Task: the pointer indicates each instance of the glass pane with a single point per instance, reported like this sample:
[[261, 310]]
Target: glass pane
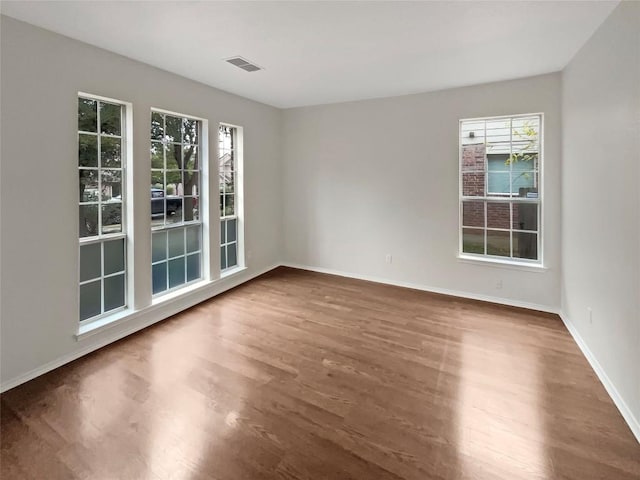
[[221, 205], [90, 260], [472, 240], [110, 118], [191, 183], [190, 156], [524, 183], [232, 230], [174, 156], [174, 210], [498, 215], [473, 214], [174, 183], [88, 220], [176, 242], [190, 209], [525, 245], [193, 239], [193, 267], [159, 273], [176, 272], [525, 216], [157, 198], [88, 185], [223, 258], [157, 155], [232, 257], [229, 208], [473, 184], [90, 301], [227, 179], [498, 243], [473, 158], [498, 183], [159, 246], [111, 184], [87, 150], [113, 256], [112, 218], [157, 126], [113, 292], [110, 152], [174, 128], [223, 231], [87, 116], [190, 130]]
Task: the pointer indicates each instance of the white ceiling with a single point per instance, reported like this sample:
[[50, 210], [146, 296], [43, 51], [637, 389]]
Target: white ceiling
[[324, 52]]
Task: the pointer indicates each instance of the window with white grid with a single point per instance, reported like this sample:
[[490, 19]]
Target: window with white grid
[[500, 194], [228, 186]]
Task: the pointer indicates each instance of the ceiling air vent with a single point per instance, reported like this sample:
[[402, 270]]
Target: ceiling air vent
[[244, 64]]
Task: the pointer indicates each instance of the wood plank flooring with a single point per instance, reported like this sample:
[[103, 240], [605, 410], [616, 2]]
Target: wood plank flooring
[[299, 375]]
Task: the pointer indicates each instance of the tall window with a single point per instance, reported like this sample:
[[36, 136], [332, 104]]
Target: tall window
[[176, 170], [101, 207], [228, 174], [500, 196]]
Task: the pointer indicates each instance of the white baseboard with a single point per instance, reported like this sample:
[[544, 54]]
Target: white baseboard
[[141, 321], [426, 288], [619, 402]]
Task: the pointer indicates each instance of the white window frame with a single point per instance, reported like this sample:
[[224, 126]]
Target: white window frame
[[203, 163], [126, 133], [502, 198], [238, 189]]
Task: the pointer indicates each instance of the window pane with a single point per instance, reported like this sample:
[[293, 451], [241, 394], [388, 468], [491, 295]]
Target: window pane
[[176, 272], [110, 153], [112, 218], [525, 216], [498, 243], [90, 301], [174, 210], [472, 240], [525, 245], [157, 155], [473, 158], [190, 157], [88, 185], [157, 126], [473, 184], [498, 183], [524, 182], [223, 232], [229, 208], [87, 150], [113, 292], [498, 215], [193, 267], [193, 239], [232, 230], [90, 260], [113, 256], [110, 118], [223, 258], [88, 220], [159, 273], [473, 214], [176, 242], [111, 184], [159, 246], [190, 130], [173, 128], [232, 255], [87, 116], [191, 183], [174, 156]]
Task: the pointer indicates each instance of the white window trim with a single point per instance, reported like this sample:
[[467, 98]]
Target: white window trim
[[126, 134], [486, 259]]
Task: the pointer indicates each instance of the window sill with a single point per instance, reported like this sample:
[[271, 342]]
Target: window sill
[[511, 265], [232, 271]]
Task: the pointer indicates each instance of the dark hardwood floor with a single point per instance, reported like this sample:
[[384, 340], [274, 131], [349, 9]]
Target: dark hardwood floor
[[298, 375]]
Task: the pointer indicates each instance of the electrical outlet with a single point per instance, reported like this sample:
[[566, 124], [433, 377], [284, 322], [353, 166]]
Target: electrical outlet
[[388, 258], [499, 285], [589, 314]]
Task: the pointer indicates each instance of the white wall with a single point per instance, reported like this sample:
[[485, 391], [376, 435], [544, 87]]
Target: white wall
[[601, 203], [368, 178], [42, 74]]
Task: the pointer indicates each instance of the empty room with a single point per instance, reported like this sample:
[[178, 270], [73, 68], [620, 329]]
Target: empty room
[[304, 240]]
